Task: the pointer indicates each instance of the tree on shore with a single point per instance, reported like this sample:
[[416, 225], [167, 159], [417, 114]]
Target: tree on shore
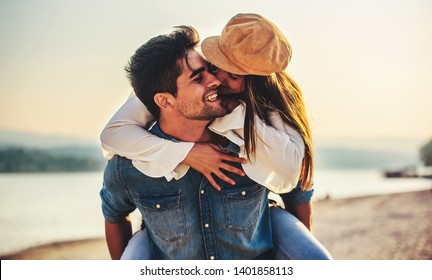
[[426, 153]]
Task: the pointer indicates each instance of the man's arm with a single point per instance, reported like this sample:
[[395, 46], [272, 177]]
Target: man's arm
[[303, 212], [299, 203], [117, 237], [116, 207]]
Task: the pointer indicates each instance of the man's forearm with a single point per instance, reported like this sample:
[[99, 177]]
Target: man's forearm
[[303, 212], [117, 237]]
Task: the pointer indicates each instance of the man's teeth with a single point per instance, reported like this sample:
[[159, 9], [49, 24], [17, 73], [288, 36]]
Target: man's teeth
[[212, 97]]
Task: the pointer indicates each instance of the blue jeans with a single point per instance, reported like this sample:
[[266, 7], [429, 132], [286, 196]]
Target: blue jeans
[[292, 240]]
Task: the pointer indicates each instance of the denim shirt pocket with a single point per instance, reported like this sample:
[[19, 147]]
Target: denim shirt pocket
[[242, 205], [164, 214]]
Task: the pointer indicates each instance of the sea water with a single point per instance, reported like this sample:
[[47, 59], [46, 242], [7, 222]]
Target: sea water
[[41, 208]]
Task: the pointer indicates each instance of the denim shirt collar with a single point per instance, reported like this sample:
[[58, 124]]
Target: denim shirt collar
[[230, 147], [155, 129]]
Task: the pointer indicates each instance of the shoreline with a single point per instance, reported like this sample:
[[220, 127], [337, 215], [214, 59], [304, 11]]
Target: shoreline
[[384, 227], [64, 250], [379, 227]]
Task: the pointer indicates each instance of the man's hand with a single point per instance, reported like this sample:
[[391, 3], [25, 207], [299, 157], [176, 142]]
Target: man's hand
[[209, 159]]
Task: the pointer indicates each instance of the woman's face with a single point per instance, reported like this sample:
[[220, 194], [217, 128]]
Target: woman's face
[[230, 83]]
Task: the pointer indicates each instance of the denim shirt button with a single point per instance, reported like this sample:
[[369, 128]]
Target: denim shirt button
[[202, 191], [157, 206], [206, 225], [212, 257], [243, 193]]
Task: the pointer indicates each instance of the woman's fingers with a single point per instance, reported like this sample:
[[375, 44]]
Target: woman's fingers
[[210, 160], [212, 182], [231, 168]]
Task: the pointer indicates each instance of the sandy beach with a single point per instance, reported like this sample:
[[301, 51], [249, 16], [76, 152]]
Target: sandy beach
[[385, 227]]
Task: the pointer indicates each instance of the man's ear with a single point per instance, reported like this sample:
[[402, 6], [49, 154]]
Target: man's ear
[[164, 100]]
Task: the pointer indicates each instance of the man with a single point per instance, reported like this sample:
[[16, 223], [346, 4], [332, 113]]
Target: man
[[185, 218]]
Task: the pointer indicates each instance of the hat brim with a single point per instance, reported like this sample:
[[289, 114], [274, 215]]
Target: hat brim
[[211, 50]]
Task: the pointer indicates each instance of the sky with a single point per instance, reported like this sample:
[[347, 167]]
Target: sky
[[364, 66]]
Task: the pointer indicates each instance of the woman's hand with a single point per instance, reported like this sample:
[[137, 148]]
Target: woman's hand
[[209, 159]]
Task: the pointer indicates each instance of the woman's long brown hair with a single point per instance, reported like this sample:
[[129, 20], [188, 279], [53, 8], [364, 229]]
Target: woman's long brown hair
[[281, 93]]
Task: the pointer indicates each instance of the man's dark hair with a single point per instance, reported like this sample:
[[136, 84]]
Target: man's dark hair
[[155, 66]]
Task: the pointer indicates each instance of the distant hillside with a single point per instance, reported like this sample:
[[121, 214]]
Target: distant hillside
[[26, 152], [342, 158], [376, 154], [32, 160]]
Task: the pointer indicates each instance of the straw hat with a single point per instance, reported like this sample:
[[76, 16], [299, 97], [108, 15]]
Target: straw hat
[[249, 45]]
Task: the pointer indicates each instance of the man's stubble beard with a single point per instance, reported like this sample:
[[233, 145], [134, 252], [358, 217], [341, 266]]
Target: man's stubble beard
[[207, 113]]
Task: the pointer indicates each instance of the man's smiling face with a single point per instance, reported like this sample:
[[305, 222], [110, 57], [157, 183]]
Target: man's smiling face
[[197, 90]]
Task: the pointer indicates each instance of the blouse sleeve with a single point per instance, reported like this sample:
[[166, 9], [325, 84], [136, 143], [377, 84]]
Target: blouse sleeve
[[126, 136]]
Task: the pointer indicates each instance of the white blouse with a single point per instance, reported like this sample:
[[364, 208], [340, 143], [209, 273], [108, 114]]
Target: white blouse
[[278, 157]]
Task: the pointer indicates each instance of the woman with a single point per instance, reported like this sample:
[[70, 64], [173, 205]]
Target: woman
[[270, 118]]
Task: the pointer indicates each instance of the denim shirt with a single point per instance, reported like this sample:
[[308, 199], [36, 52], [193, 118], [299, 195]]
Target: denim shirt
[[188, 218]]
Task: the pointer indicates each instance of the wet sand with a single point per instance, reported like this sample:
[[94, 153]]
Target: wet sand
[[386, 227]]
